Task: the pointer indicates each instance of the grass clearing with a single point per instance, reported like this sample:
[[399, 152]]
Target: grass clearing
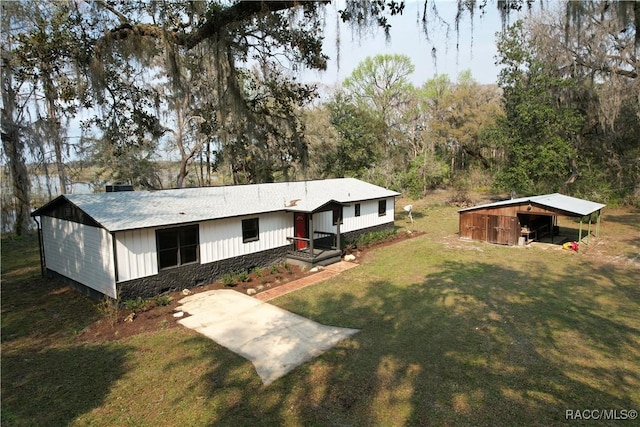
[[452, 333]]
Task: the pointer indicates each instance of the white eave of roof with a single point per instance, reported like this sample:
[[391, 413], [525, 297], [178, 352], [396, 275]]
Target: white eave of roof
[[142, 209], [556, 201]]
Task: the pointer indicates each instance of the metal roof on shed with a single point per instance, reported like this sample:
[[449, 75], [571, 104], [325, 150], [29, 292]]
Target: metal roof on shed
[[141, 209], [572, 205]]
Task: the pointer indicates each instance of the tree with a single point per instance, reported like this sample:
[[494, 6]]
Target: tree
[[358, 132], [274, 35], [267, 142], [191, 109], [122, 138], [321, 137], [539, 129], [381, 85], [380, 90], [45, 55], [13, 146], [39, 93], [471, 107], [595, 45]]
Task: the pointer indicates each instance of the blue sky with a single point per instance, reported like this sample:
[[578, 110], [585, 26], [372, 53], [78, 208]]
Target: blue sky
[[477, 54]]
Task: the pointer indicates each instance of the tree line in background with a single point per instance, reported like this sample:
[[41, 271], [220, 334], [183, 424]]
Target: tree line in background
[[213, 84]]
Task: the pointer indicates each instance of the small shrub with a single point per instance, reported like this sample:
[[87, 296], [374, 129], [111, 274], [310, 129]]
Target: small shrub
[[134, 305], [163, 300], [258, 272], [228, 280], [288, 267], [110, 309], [243, 276], [274, 269], [374, 237]]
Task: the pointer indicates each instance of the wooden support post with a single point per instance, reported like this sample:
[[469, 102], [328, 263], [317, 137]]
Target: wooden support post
[[338, 232], [598, 225], [589, 230], [580, 232], [311, 235]]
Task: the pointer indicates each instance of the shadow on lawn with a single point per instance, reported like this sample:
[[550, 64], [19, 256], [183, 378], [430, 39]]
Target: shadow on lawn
[[474, 344], [626, 219], [47, 379], [77, 380]]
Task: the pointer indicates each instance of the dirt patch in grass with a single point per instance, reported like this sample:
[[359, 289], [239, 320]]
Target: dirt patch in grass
[[123, 322]]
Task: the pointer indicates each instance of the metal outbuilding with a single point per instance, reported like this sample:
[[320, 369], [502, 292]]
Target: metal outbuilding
[[514, 221]]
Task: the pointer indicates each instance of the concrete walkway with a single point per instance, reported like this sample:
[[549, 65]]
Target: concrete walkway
[[275, 340]]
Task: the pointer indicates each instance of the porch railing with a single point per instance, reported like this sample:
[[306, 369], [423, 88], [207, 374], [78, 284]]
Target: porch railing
[[312, 246], [324, 234], [303, 253]]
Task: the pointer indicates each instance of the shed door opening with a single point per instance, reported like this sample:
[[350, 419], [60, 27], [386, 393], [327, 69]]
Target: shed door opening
[[502, 230]]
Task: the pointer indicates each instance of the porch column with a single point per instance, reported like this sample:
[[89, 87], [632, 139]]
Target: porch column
[[580, 232], [338, 231], [311, 235]]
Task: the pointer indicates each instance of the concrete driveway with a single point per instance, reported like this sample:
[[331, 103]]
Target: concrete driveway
[[275, 340]]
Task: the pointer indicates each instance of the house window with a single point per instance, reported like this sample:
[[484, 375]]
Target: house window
[[382, 207], [357, 209], [250, 230], [337, 213], [177, 246]]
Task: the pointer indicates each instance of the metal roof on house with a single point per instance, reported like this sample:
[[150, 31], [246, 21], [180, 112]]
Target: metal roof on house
[[571, 205], [141, 209]]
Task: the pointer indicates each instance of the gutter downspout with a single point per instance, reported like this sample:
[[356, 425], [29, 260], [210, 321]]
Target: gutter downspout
[[40, 247]]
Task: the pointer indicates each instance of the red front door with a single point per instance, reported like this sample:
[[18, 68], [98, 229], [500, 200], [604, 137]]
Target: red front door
[[301, 229]]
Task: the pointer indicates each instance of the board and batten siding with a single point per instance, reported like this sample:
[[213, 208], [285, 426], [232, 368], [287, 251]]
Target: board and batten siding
[[80, 252], [137, 254], [323, 221], [222, 238]]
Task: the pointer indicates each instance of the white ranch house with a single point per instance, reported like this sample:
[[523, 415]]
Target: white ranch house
[[142, 243]]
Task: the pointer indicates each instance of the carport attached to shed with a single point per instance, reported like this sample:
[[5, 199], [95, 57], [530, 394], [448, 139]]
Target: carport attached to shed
[[506, 221]]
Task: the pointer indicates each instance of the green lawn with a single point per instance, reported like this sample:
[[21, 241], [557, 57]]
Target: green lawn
[[452, 333]]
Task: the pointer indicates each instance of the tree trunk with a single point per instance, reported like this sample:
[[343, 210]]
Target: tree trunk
[[14, 149], [62, 175], [574, 173], [53, 130], [182, 172]]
